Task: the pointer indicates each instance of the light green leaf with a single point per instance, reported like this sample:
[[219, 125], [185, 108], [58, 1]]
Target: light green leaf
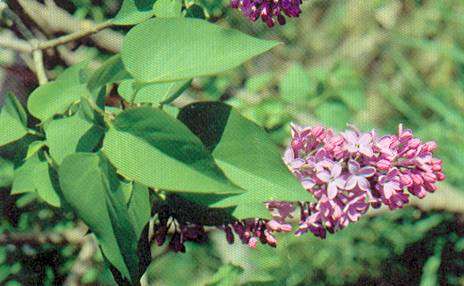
[[35, 175], [71, 134], [295, 86], [246, 154], [111, 71], [34, 147], [57, 96], [133, 12], [6, 173], [149, 146], [157, 93], [90, 187], [13, 121], [167, 8], [170, 49]]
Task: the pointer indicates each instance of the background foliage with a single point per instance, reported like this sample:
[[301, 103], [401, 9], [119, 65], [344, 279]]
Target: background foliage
[[373, 63]]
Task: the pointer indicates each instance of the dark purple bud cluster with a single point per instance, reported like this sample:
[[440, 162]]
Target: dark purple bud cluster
[[180, 232], [270, 11], [250, 232]]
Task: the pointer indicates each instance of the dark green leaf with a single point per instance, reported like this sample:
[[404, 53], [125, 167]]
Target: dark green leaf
[[149, 146], [90, 186], [139, 207], [247, 156], [111, 71], [170, 49]]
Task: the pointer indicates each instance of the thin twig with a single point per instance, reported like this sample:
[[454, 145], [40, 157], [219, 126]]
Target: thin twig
[[37, 56], [15, 44], [54, 19], [74, 36]]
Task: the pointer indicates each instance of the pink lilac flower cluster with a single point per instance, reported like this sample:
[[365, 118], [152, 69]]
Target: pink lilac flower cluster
[[350, 171], [270, 11]]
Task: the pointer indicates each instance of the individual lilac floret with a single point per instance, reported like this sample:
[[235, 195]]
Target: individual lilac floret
[[270, 11], [351, 171]]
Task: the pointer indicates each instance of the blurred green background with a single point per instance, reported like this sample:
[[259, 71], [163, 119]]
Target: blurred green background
[[374, 63]]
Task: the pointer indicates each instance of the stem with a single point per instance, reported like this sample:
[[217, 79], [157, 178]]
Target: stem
[[15, 44], [37, 56], [92, 29]]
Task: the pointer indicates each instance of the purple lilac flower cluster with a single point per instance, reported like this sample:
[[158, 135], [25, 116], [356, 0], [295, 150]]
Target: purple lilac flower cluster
[[270, 11], [351, 171]]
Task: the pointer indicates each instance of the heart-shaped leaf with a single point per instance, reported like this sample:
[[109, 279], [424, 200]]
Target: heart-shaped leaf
[[149, 146], [247, 156], [170, 49]]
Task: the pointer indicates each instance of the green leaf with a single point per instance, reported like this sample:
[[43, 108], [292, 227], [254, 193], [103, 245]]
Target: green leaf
[[246, 154], [35, 147], [6, 173], [149, 146], [195, 11], [170, 49], [139, 207], [167, 8], [90, 187], [57, 96], [71, 134], [157, 93], [35, 175], [133, 12], [13, 121], [295, 86], [111, 71]]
